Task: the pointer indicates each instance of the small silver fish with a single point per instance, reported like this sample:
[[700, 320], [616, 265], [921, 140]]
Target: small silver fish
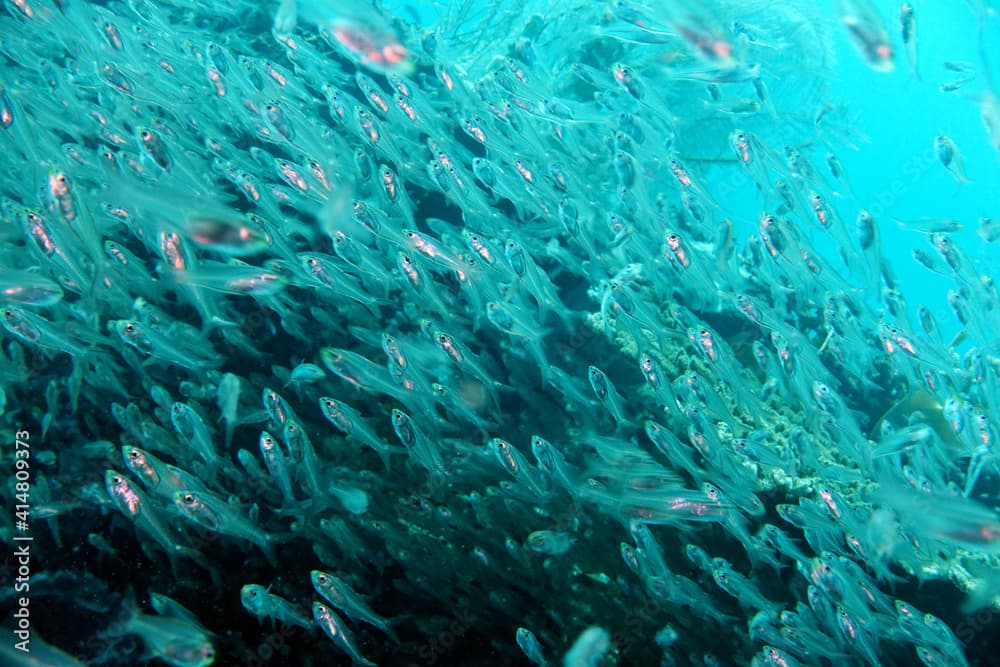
[[949, 155], [908, 31], [260, 602], [336, 629]]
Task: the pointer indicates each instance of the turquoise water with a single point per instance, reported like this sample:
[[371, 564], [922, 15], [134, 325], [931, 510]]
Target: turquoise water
[[899, 115], [499, 333]]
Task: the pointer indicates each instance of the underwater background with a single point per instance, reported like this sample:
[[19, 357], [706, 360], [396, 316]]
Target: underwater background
[[500, 333]]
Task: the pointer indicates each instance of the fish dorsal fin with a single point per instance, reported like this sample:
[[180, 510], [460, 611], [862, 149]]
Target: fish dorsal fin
[[167, 606]]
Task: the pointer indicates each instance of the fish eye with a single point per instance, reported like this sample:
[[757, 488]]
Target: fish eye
[[253, 593], [321, 578], [129, 328], [134, 455], [188, 499], [117, 479]]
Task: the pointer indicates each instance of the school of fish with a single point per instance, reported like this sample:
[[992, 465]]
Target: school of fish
[[486, 333]]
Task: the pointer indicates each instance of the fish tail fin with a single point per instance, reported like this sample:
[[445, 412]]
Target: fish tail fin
[[384, 453]]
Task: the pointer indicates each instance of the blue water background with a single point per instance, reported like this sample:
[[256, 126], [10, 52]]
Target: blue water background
[[896, 174]]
